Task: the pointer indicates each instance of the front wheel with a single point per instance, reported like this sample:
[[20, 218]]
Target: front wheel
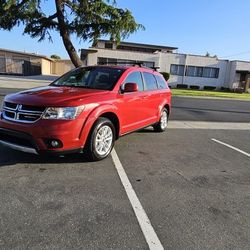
[[162, 125], [101, 140]]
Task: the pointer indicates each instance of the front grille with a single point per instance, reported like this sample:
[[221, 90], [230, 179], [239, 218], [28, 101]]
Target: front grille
[[22, 113]]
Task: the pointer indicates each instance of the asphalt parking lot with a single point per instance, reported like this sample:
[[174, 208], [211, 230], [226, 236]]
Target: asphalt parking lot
[[194, 190]]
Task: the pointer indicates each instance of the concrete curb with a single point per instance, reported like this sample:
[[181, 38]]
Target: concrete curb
[[212, 98], [209, 125]]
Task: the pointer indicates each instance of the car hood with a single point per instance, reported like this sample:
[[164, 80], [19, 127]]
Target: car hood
[[54, 96]]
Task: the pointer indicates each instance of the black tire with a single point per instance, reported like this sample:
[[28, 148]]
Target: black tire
[[91, 151], [158, 127]]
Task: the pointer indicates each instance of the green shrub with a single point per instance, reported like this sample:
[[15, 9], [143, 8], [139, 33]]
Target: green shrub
[[181, 86], [225, 89], [209, 88], [166, 75], [194, 87]]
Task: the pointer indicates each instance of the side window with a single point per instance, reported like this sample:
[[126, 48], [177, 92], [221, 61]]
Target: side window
[[150, 81], [135, 77], [161, 82]]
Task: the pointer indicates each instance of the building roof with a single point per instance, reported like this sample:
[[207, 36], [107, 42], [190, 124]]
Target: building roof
[[142, 45], [25, 54]]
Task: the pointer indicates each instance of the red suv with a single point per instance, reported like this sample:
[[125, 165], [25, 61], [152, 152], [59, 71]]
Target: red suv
[[86, 110]]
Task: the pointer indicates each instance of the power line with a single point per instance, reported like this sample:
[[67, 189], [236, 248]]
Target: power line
[[241, 53]]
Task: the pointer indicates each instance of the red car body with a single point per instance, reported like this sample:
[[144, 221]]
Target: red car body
[[128, 111]]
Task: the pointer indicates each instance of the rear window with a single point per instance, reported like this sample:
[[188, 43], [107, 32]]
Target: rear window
[[150, 81], [161, 82]]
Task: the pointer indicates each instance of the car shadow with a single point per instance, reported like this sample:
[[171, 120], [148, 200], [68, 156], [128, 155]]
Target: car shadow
[[10, 157], [146, 130]]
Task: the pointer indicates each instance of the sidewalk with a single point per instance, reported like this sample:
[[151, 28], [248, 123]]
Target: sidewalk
[[27, 82]]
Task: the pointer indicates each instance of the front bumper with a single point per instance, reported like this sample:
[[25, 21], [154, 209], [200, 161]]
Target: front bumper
[[33, 138], [18, 141]]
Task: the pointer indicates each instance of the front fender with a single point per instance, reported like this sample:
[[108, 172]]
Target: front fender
[[92, 117]]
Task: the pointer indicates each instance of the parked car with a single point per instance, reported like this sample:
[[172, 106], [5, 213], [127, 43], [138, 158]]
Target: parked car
[[86, 109]]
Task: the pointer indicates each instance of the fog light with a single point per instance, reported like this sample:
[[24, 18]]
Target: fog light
[[54, 143]]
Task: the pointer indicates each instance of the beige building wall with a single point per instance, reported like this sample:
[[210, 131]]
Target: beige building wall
[[61, 67], [123, 55], [164, 61], [194, 60], [46, 66]]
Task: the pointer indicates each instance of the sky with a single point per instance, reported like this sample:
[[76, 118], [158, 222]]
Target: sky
[[219, 27]]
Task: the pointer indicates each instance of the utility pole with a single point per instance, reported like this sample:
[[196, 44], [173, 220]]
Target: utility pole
[[185, 67]]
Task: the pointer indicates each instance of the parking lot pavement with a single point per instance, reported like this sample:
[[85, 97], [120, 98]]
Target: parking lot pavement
[[196, 192], [63, 203], [24, 82]]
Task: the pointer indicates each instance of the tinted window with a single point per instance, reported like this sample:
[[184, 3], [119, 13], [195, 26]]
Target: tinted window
[[190, 71], [194, 71], [177, 69], [150, 81], [135, 77], [91, 77], [161, 82]]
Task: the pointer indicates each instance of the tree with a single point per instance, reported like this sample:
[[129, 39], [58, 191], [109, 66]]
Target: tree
[[56, 57], [166, 75], [87, 19]]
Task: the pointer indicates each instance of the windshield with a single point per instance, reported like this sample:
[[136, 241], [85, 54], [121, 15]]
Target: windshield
[[92, 77]]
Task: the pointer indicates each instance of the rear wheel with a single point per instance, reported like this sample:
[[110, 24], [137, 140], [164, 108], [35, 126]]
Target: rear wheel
[[101, 140], [162, 125]]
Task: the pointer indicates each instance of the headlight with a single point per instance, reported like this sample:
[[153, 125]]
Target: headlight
[[67, 113]]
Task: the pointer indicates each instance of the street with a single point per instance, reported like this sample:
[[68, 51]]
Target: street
[[194, 190]]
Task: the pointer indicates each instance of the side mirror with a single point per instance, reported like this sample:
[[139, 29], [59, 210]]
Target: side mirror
[[130, 87]]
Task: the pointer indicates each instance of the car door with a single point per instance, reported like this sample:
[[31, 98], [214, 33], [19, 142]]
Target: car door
[[152, 99], [132, 104]]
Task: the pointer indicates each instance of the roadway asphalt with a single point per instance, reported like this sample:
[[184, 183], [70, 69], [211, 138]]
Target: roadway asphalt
[[195, 191], [213, 110], [196, 109]]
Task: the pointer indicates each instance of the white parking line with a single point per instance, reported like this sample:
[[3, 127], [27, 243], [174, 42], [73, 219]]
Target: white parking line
[[232, 147], [144, 222]]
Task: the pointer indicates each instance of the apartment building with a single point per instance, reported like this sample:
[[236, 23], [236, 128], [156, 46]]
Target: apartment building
[[193, 71]]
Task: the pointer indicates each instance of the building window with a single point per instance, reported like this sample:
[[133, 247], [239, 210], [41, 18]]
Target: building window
[[102, 61], [215, 72], [194, 71], [2, 65], [122, 62], [209, 72], [198, 71], [206, 72], [106, 61], [177, 70], [190, 71], [149, 64], [108, 45]]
